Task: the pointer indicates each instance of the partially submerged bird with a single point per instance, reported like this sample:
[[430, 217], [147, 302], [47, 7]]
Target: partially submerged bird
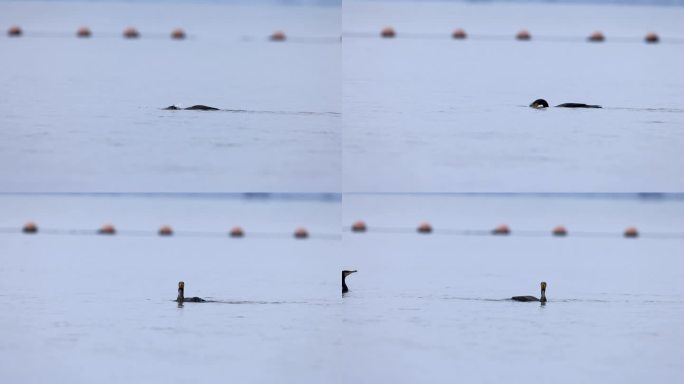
[[532, 298], [198, 107], [541, 103], [181, 295], [345, 289]]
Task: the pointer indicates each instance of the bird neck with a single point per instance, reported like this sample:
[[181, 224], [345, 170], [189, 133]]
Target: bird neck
[[344, 283], [543, 296], [181, 295]]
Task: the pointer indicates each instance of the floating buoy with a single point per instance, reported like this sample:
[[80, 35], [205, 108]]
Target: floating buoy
[[459, 33], [14, 31], [424, 228], [165, 230], [388, 32], [560, 231], [651, 37], [131, 33], [359, 226], [631, 232], [83, 32], [301, 233], [107, 229], [523, 35], [30, 228], [278, 36], [596, 37], [178, 34], [501, 230], [237, 232]]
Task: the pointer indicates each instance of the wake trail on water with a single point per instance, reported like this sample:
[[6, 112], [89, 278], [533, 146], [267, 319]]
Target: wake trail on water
[[569, 300], [305, 113], [245, 302], [263, 112]]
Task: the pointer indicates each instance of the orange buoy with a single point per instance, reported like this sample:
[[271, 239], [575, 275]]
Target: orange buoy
[[651, 37], [165, 230], [278, 36], [178, 34], [424, 228], [631, 232], [237, 232], [388, 32], [359, 226], [596, 37], [131, 33], [560, 231], [301, 233], [83, 32], [107, 229], [523, 35], [459, 33], [14, 31], [501, 230], [30, 227]]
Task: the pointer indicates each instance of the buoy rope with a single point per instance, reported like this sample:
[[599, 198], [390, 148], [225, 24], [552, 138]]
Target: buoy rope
[[168, 36], [511, 232], [329, 39], [174, 233], [510, 37], [301, 233]]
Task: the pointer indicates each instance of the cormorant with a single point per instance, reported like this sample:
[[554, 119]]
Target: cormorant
[[532, 298], [345, 289], [181, 295], [198, 107], [541, 103]]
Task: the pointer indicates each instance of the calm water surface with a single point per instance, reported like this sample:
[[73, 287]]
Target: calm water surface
[[421, 307], [100, 308], [433, 308], [90, 120], [426, 113]]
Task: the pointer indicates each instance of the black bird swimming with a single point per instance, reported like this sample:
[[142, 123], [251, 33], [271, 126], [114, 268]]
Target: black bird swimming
[[532, 298], [181, 295], [198, 107], [345, 289], [541, 103]]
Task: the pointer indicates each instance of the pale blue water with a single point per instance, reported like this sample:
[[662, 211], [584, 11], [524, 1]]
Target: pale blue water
[[100, 308], [433, 308], [91, 119], [420, 113], [426, 113]]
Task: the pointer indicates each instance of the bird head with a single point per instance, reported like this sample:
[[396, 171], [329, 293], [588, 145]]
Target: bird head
[[539, 103]]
